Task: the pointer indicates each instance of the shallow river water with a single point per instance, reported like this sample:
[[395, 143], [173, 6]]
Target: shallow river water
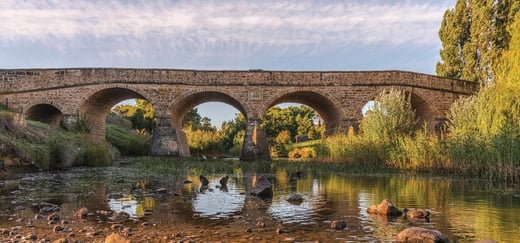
[[166, 207]]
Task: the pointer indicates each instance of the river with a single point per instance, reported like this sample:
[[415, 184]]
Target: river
[[166, 206]]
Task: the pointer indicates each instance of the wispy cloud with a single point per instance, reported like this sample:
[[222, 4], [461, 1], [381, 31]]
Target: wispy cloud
[[212, 23]]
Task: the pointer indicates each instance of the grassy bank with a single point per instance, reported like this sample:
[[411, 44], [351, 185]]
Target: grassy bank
[[52, 147], [495, 159]]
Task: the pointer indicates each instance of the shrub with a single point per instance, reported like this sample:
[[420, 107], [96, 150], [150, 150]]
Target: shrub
[[94, 154], [391, 116], [303, 153]]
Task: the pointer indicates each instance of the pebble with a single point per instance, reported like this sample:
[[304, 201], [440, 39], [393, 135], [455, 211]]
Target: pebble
[[58, 228], [161, 191], [16, 228], [82, 213], [31, 236], [338, 224], [53, 217], [117, 227], [19, 208]]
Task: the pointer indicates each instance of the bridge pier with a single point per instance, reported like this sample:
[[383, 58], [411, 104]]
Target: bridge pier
[[167, 140], [255, 142]]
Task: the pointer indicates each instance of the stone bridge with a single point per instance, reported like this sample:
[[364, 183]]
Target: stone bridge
[[61, 96]]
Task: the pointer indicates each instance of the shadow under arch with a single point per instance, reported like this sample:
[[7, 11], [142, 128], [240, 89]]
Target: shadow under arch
[[423, 112], [96, 107], [328, 111], [186, 103], [46, 113]]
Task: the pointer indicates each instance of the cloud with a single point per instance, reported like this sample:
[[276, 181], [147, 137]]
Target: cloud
[[213, 23]]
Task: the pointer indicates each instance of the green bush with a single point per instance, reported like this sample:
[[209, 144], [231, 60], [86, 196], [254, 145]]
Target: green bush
[[302, 153], [94, 154], [391, 116]]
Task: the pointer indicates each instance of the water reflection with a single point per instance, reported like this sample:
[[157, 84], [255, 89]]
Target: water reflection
[[464, 210], [218, 202]]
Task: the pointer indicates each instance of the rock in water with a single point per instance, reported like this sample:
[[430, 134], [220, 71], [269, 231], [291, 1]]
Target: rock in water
[[203, 180], [2, 165], [295, 199], [223, 181], [385, 208], [262, 188], [416, 213], [418, 234], [338, 224]]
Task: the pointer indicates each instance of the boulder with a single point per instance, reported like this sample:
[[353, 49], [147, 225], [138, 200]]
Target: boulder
[[295, 199], [418, 234], [385, 208], [203, 180], [262, 188], [223, 181], [82, 213]]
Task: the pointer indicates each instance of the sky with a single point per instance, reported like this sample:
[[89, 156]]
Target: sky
[[300, 35]]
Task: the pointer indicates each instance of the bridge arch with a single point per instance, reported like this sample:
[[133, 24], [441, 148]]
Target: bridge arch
[[97, 104], [325, 107], [44, 112], [186, 102]]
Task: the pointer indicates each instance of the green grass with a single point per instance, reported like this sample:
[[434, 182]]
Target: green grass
[[310, 143], [127, 141]]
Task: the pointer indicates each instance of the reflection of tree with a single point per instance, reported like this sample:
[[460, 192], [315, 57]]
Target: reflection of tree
[[148, 203]]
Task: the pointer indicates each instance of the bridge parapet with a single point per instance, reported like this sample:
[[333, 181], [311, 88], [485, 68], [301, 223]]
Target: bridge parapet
[[22, 80]]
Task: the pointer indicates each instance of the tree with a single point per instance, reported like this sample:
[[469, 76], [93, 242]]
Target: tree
[[233, 132], [297, 120], [141, 114], [473, 36], [193, 121]]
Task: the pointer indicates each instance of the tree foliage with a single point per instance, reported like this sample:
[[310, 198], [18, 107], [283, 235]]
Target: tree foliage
[[142, 115], [473, 36], [194, 121], [233, 133], [298, 121], [494, 107]]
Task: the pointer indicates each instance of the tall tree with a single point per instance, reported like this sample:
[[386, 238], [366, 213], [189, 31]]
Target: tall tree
[[454, 34], [277, 120], [142, 114], [473, 36]]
